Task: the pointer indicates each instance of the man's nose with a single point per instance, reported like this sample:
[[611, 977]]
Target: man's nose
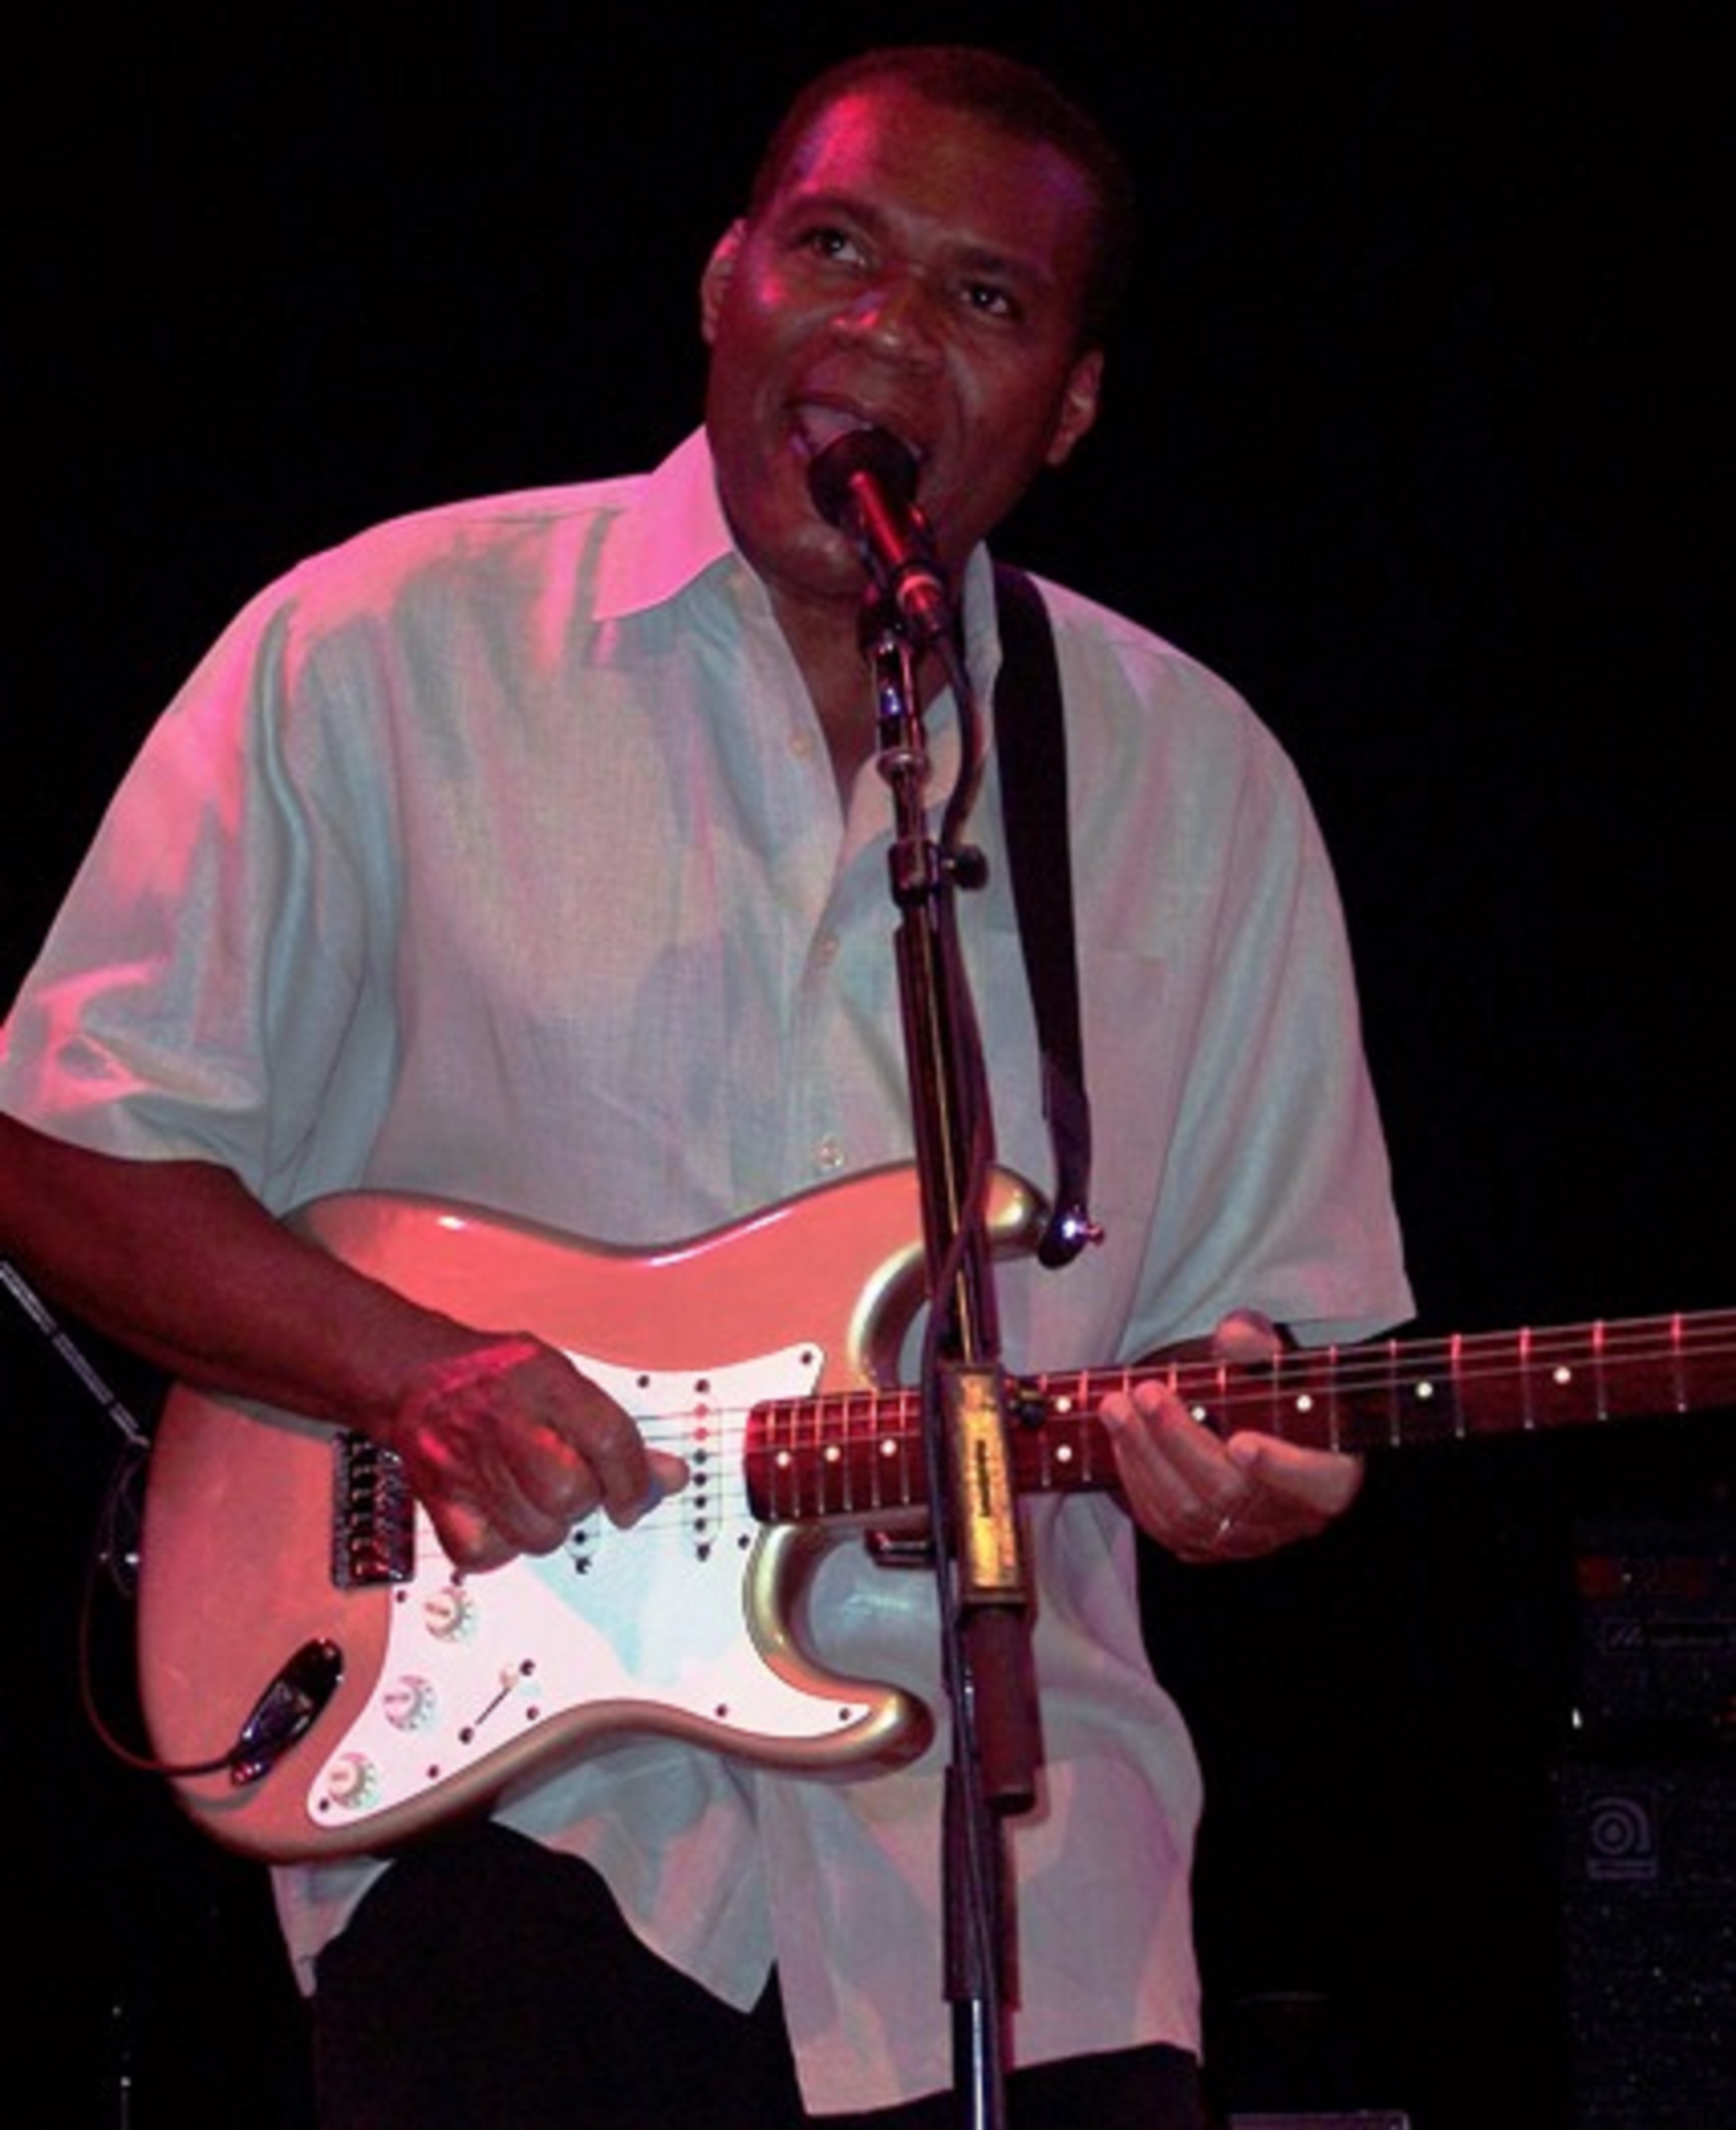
[[897, 317]]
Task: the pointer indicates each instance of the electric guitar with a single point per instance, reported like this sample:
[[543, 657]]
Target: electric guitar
[[320, 1681]]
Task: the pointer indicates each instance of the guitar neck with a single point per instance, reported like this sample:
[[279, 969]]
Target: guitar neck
[[860, 1453], [1396, 1393]]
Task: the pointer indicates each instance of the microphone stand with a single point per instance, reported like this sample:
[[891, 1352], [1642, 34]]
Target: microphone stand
[[983, 1591]]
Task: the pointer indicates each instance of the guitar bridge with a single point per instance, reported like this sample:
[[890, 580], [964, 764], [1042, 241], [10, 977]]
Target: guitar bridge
[[373, 1516]]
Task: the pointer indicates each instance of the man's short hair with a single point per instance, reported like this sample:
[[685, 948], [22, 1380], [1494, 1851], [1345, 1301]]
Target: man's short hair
[[1004, 92]]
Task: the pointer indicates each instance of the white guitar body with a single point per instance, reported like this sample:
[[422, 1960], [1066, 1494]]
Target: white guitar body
[[268, 1537], [454, 1687]]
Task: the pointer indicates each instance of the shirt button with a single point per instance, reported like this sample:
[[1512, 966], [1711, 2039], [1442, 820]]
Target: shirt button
[[828, 1156], [801, 745], [826, 948]]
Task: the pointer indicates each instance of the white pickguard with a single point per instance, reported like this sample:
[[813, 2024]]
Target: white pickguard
[[653, 1617]]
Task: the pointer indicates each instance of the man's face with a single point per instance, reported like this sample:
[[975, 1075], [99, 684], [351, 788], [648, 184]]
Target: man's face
[[919, 271]]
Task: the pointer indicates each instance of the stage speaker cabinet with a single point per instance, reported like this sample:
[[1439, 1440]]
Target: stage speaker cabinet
[[1649, 1915], [1657, 1617]]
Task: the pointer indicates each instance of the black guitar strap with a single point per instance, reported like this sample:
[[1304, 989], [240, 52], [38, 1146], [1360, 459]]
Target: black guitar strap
[[1031, 741]]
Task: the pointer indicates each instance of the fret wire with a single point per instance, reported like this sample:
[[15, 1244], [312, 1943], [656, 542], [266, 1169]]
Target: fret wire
[[1544, 1368]]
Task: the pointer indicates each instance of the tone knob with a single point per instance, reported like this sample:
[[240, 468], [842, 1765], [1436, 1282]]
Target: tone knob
[[409, 1704], [352, 1781]]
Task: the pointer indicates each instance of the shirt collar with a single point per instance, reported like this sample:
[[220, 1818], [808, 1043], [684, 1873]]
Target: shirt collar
[[674, 531]]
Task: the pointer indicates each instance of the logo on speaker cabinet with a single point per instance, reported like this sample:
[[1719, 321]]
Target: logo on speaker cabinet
[[1621, 1838]]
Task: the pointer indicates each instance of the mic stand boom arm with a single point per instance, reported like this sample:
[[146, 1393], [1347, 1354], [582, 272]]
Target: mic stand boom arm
[[984, 1594]]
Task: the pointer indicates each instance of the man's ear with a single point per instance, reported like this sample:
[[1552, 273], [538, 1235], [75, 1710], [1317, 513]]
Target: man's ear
[[716, 278], [1079, 402]]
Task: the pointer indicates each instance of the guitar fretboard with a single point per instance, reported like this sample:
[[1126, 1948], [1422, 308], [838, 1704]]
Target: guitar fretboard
[[861, 1452]]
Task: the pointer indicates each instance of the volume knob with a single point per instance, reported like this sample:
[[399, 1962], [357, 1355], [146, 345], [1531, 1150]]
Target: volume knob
[[450, 1612]]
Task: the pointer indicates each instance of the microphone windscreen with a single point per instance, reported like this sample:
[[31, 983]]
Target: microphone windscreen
[[876, 452]]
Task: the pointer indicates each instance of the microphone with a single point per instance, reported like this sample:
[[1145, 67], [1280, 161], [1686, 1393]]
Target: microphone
[[864, 482]]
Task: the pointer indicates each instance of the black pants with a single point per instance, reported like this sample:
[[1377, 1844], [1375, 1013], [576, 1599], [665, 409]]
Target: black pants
[[485, 1983]]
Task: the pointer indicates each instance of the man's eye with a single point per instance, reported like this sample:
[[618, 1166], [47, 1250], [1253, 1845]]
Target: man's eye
[[827, 242], [990, 300]]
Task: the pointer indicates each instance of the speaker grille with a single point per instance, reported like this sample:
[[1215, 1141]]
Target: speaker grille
[[1649, 1911]]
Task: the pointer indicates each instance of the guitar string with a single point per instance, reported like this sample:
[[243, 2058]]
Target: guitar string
[[1477, 1360], [843, 1435]]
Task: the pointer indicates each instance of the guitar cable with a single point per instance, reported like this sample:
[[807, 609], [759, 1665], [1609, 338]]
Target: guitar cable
[[291, 1699]]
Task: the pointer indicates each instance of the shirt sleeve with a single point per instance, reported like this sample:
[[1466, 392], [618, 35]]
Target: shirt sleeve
[[221, 920], [1240, 1160]]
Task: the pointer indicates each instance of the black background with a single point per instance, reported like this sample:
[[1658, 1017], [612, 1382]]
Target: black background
[[1413, 433]]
